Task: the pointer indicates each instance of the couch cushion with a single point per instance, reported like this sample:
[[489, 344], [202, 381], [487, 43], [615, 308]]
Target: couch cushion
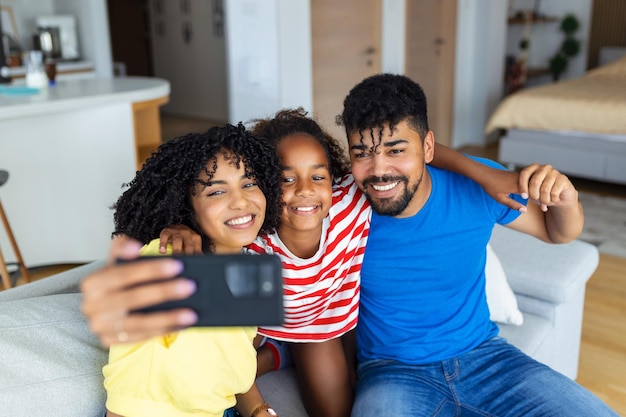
[[529, 336], [557, 271], [64, 376], [280, 390], [62, 283]]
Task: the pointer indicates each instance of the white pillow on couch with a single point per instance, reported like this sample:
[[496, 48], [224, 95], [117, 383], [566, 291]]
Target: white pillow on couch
[[500, 297]]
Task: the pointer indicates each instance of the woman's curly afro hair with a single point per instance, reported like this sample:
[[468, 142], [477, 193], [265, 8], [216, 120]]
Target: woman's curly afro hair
[[384, 99], [160, 194], [292, 121]]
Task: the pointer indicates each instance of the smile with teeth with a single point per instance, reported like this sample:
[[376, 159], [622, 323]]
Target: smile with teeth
[[304, 209], [240, 220], [385, 187]]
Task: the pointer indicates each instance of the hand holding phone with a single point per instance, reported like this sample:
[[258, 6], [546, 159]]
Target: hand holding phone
[[232, 290]]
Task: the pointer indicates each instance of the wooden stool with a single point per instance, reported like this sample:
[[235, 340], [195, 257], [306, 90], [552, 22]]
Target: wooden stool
[[4, 272]]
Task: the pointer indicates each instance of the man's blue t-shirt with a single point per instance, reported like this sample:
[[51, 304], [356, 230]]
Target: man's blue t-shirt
[[423, 277]]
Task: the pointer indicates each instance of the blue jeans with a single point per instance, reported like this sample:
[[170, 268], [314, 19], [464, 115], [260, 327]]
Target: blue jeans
[[494, 379]]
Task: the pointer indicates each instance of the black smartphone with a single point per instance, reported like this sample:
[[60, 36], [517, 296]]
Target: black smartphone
[[232, 290]]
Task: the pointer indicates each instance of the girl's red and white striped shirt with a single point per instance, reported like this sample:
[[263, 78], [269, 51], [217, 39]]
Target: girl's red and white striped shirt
[[321, 293]]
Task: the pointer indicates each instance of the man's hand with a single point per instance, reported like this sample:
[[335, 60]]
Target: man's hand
[[112, 293], [183, 240], [556, 215], [547, 187]]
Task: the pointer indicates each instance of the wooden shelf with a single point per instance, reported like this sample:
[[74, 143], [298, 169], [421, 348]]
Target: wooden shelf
[[537, 72], [147, 123], [520, 20]]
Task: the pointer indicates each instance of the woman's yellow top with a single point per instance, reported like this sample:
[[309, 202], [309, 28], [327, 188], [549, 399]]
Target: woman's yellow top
[[193, 372]]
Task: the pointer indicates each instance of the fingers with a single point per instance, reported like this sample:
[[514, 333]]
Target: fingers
[[112, 292], [182, 238], [543, 184], [511, 203], [137, 327], [118, 277], [123, 247], [105, 313]]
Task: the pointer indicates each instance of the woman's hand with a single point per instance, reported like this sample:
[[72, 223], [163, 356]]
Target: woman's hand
[[111, 294]]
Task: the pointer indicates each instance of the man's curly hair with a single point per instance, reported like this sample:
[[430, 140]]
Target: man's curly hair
[[291, 121], [160, 194], [384, 99]]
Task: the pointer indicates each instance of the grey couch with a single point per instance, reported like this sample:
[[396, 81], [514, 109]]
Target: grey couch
[[51, 364]]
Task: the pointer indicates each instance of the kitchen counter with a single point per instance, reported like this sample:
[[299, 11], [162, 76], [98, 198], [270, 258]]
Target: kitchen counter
[[68, 151], [63, 68], [75, 94]]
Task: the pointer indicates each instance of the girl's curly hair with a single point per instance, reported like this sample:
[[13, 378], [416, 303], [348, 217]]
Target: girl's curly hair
[[160, 194], [384, 99], [291, 121]]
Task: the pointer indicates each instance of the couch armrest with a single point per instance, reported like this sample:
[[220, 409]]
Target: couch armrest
[[550, 272], [65, 282]]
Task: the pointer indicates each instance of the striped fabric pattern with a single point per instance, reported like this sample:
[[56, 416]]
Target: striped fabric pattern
[[321, 294]]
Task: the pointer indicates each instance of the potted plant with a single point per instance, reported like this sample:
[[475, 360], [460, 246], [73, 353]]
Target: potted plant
[[569, 48]]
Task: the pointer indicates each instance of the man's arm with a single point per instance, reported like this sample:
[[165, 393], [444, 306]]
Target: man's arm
[[497, 183], [554, 213]]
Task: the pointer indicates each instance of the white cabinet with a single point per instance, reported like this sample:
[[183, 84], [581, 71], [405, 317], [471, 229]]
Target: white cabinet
[[189, 50]]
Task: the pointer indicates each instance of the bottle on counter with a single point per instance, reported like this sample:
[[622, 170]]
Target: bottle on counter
[[35, 73], [51, 71]]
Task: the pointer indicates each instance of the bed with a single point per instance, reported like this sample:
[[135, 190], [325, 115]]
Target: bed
[[577, 125]]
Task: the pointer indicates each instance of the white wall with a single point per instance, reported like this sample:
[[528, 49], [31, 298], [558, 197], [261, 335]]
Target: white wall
[[478, 83], [393, 40], [295, 59], [269, 57]]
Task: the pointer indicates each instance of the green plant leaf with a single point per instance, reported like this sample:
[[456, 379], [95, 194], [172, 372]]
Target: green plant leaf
[[569, 24], [570, 47], [524, 43], [558, 64]]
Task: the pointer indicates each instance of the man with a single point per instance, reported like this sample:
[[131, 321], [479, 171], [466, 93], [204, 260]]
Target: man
[[425, 343]]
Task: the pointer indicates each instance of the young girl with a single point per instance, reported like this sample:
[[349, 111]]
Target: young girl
[[321, 240], [223, 185]]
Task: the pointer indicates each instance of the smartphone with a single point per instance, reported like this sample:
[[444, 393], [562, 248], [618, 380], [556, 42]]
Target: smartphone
[[232, 290]]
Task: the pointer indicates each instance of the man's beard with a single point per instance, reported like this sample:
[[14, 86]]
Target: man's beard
[[389, 206]]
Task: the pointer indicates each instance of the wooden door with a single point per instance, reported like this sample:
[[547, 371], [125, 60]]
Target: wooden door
[[430, 50], [128, 26], [346, 39], [607, 28]]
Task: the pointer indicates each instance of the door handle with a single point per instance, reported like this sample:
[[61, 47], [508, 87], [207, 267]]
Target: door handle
[[369, 50]]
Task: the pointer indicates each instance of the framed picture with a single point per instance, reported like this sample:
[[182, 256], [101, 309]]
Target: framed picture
[[8, 21]]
